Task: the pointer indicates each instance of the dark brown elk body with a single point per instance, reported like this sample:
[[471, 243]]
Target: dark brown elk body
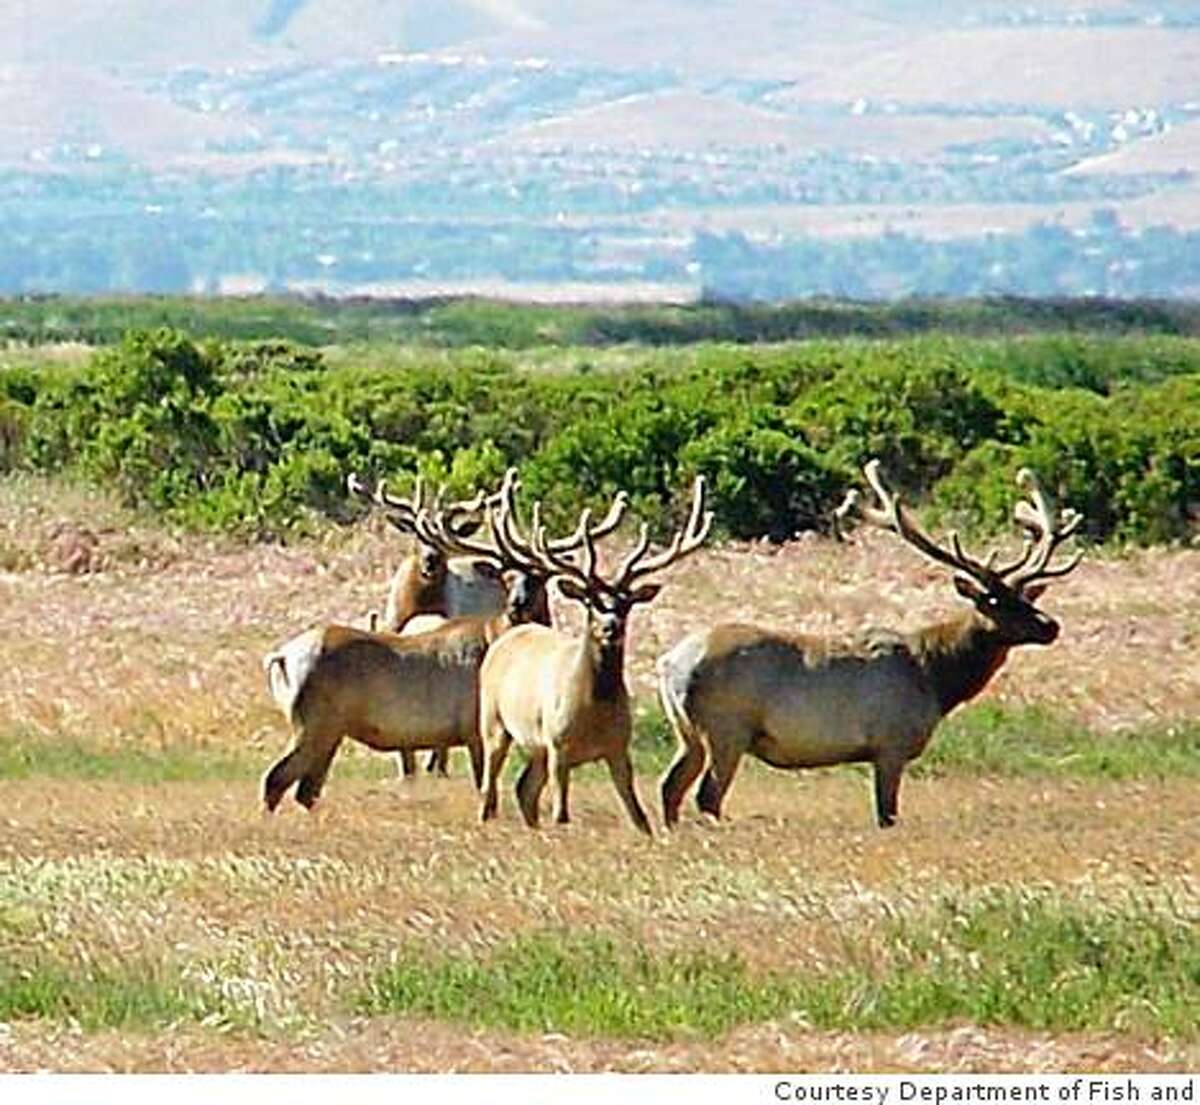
[[388, 692], [563, 699], [797, 701]]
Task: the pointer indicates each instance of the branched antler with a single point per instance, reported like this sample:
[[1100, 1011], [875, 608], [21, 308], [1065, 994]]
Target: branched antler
[[636, 565], [461, 517], [509, 547], [893, 515], [1044, 533], [451, 528]]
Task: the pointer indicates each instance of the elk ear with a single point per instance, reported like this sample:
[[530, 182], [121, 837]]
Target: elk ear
[[1033, 592], [968, 588], [646, 593], [571, 590]]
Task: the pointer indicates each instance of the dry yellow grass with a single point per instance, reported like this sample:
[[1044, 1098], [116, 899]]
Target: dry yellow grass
[[164, 651], [285, 911]]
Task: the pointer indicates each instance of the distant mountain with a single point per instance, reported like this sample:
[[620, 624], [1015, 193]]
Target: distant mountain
[[829, 47], [348, 143]]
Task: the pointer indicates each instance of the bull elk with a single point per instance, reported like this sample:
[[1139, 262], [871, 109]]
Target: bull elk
[[797, 701], [428, 581], [563, 699], [402, 693], [509, 552], [429, 586]]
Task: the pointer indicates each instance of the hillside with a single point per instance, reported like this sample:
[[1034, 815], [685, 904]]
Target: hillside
[[288, 144]]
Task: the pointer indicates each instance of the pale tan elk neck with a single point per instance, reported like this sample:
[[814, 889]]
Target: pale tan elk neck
[[959, 657]]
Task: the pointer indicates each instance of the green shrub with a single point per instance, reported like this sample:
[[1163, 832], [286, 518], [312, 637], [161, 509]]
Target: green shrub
[[763, 479], [258, 437], [911, 406], [1129, 463], [635, 446]]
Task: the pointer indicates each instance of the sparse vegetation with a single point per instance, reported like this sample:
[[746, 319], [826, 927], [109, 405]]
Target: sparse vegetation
[[1035, 742], [126, 996], [581, 985], [1027, 957]]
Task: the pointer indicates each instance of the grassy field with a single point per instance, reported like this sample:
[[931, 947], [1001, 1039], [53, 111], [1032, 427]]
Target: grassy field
[[1035, 908]]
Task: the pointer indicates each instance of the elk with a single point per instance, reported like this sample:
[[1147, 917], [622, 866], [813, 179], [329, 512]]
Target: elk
[[401, 693], [563, 699], [509, 552], [428, 581], [796, 701], [429, 587]]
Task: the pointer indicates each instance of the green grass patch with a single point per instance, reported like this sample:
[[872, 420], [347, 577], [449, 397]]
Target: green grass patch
[[25, 755], [1016, 958], [984, 739], [989, 740], [119, 996], [580, 985], [653, 747], [1024, 958]]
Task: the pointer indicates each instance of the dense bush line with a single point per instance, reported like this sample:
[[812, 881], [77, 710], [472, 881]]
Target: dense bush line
[[258, 437], [455, 322]]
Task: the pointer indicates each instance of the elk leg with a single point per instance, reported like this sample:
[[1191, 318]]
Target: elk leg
[[887, 789], [281, 776], [621, 770], [530, 785], [495, 764], [682, 775], [438, 760], [475, 751], [562, 781], [406, 763], [726, 755], [314, 775]]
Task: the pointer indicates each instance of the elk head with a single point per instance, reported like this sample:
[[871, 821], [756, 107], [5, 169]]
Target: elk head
[[510, 550], [1003, 594], [608, 602]]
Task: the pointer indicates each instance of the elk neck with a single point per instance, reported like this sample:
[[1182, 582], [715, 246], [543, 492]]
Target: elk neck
[[959, 657], [603, 664]]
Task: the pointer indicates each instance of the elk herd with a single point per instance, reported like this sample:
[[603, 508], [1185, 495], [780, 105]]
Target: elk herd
[[465, 654]]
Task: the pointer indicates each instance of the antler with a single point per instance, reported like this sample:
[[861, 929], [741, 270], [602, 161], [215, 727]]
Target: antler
[[442, 528], [402, 513], [1046, 533], [1043, 533], [509, 547], [685, 541], [892, 514], [635, 566], [462, 516], [508, 531]]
